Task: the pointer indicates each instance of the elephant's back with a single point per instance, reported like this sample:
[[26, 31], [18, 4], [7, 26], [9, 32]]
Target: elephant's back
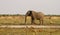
[[40, 14]]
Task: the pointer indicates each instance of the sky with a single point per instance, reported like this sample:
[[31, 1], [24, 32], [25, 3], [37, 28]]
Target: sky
[[48, 7]]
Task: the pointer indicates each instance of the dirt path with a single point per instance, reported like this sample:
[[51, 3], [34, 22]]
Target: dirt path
[[28, 26]]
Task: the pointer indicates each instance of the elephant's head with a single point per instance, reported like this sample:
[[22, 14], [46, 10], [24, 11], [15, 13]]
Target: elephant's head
[[29, 13]]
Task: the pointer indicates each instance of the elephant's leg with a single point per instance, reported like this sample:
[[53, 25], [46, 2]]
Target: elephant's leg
[[32, 21], [41, 22]]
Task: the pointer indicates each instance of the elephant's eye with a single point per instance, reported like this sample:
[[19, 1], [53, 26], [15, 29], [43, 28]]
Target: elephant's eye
[[28, 12]]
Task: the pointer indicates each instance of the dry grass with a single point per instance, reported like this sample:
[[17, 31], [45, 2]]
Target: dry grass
[[29, 31], [17, 20]]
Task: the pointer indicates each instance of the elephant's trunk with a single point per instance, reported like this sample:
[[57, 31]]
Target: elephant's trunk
[[25, 19]]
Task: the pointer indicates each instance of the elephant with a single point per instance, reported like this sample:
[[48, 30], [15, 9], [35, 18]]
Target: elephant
[[35, 15]]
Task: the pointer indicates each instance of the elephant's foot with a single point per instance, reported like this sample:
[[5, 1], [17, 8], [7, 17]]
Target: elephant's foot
[[33, 23], [41, 24]]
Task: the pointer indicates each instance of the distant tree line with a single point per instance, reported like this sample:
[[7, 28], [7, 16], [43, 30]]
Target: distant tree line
[[21, 15], [53, 15], [11, 15]]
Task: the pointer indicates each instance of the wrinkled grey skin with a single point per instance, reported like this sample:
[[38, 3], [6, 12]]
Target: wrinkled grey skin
[[35, 15]]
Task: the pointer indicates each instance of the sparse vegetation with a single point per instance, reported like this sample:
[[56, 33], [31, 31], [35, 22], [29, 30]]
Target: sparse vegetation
[[19, 19], [29, 31]]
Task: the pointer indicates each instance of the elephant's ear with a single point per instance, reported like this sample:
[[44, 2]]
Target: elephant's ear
[[27, 13], [30, 13]]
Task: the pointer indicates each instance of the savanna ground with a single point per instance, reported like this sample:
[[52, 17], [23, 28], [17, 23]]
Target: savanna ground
[[20, 20], [29, 31]]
